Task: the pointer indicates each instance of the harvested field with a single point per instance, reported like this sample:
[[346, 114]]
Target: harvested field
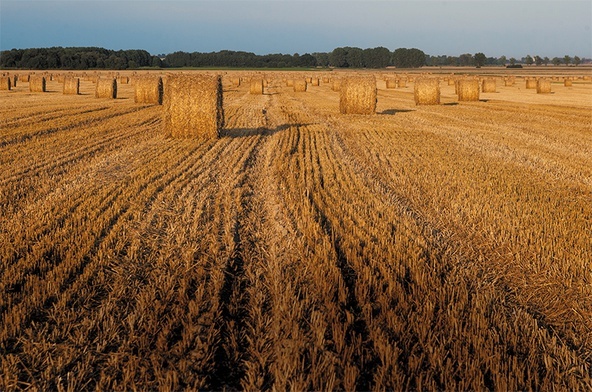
[[431, 247]]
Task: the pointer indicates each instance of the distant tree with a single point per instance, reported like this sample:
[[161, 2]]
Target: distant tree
[[528, 60], [355, 57], [512, 61], [566, 59], [556, 61], [538, 60], [480, 59], [409, 58], [465, 60], [338, 58], [546, 61], [379, 57], [502, 60], [577, 61], [322, 59]]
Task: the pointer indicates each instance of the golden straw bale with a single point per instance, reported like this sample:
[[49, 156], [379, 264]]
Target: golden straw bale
[[402, 82], [123, 80], [106, 88], [325, 79], [300, 85], [467, 90], [531, 83], [427, 91], [25, 78], [37, 84], [315, 82], [489, 85], [236, 82], [71, 85], [543, 86], [309, 80], [509, 81], [336, 86], [256, 86], [567, 82], [193, 106], [357, 95], [290, 83], [148, 89], [391, 83], [5, 83]]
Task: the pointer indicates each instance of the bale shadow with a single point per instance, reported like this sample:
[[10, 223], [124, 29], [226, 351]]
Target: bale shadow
[[450, 104], [261, 131], [392, 112]]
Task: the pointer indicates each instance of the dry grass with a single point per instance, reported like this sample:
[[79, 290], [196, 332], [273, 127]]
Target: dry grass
[[357, 95], [5, 83], [427, 91], [148, 89], [193, 107], [71, 85], [106, 88]]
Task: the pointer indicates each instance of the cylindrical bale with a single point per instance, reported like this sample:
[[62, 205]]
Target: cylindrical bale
[[290, 83], [488, 85], [509, 81], [427, 91], [123, 80], [402, 82], [531, 83], [106, 88], [451, 81], [357, 95], [5, 83], [325, 79], [256, 86], [391, 83], [37, 84], [193, 106], [543, 86], [315, 82], [336, 86], [567, 82], [300, 85], [25, 78], [467, 90], [309, 80], [148, 89], [71, 85], [236, 82]]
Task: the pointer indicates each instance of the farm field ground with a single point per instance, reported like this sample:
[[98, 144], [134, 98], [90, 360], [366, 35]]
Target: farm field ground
[[442, 247]]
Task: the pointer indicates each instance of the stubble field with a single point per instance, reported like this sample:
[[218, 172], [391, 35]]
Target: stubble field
[[442, 247]]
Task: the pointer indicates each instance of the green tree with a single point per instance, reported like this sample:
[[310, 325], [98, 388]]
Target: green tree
[[528, 60], [480, 59], [512, 61], [577, 61], [538, 60], [502, 60], [338, 58], [566, 59], [465, 60], [556, 61]]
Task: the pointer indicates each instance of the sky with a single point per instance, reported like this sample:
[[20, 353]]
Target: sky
[[514, 28]]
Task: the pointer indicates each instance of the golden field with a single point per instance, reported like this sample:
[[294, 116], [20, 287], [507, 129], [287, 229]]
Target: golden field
[[444, 247]]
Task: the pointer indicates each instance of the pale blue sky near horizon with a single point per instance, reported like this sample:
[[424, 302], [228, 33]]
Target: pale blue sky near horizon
[[514, 28]]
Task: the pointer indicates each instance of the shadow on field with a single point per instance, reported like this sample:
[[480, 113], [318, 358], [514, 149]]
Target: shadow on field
[[263, 131], [392, 112]]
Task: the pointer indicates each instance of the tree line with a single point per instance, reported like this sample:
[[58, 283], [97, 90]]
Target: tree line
[[80, 58]]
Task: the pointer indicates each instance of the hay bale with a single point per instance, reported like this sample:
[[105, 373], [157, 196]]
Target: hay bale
[[509, 82], [315, 81], [106, 88], [467, 90], [543, 86], [402, 83], [567, 82], [531, 83], [71, 85], [309, 80], [427, 91], [290, 83], [14, 80], [391, 83], [193, 106], [148, 89], [123, 80], [25, 78], [256, 86], [5, 83], [236, 82], [451, 81], [300, 85], [357, 95], [336, 86], [37, 84], [488, 85], [325, 79]]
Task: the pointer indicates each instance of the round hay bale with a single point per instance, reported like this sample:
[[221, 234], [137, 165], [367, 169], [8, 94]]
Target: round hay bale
[[567, 82], [357, 95], [123, 80], [531, 83], [300, 85], [193, 106], [25, 78], [71, 85], [336, 86], [509, 81], [236, 82], [5, 83], [315, 82], [543, 86], [37, 84], [467, 90], [325, 79], [391, 83], [427, 91], [106, 88], [256, 86], [148, 89], [309, 80], [451, 81], [290, 83], [402, 83], [488, 85]]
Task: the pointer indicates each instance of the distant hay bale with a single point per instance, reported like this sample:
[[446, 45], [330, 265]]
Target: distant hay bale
[[256, 86], [336, 86], [509, 81], [567, 82], [71, 85], [309, 80], [488, 85], [106, 88], [236, 82], [123, 80], [5, 83], [37, 84], [25, 78], [357, 95], [451, 81], [391, 83], [290, 83], [402, 83], [148, 89], [193, 106], [543, 86], [315, 82], [427, 91], [300, 85], [467, 90], [325, 79], [531, 83]]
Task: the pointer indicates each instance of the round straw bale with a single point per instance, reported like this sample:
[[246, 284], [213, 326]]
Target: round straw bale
[[543, 86], [336, 86], [315, 82], [148, 89], [402, 82], [357, 95], [488, 85], [236, 82], [427, 91], [71, 85], [309, 80], [5, 83], [106, 88], [567, 82], [290, 83], [391, 83], [509, 81], [451, 81], [25, 78], [193, 106], [300, 85], [531, 83], [467, 90], [256, 86], [123, 80], [37, 84], [325, 79]]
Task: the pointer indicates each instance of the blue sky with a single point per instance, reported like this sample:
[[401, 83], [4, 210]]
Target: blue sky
[[513, 28]]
